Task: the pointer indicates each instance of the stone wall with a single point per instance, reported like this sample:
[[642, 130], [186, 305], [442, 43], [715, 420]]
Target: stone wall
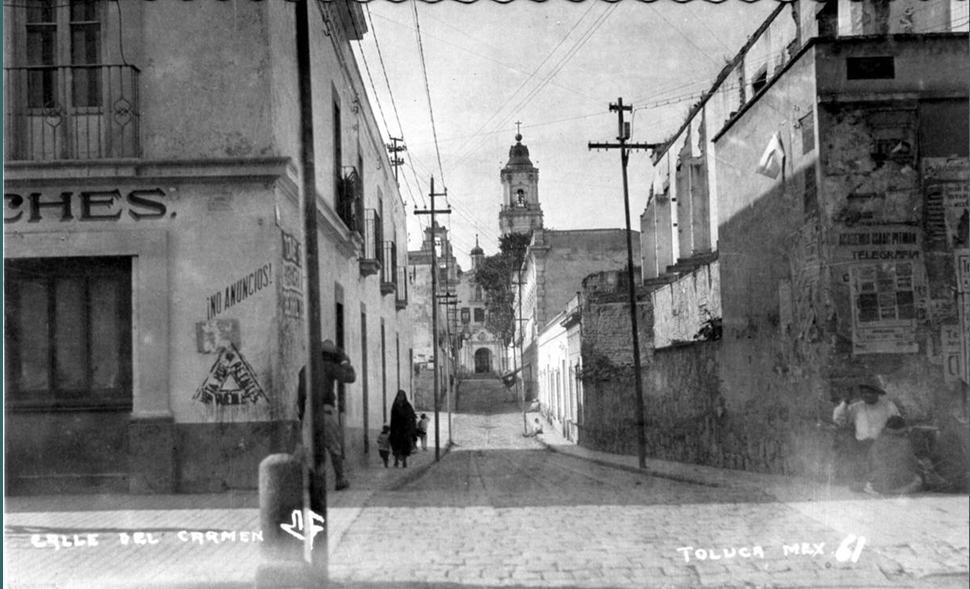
[[608, 399]]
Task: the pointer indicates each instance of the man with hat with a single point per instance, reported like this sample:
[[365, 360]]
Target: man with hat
[[336, 367], [868, 417]]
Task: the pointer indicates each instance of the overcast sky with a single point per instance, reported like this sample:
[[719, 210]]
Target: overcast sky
[[556, 66]]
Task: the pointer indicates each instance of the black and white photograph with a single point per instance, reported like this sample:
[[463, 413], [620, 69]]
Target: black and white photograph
[[468, 294]]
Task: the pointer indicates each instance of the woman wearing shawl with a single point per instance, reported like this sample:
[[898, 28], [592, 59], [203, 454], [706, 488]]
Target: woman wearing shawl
[[403, 429]]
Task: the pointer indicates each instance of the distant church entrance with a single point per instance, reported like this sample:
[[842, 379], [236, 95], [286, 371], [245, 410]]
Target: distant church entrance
[[483, 361]]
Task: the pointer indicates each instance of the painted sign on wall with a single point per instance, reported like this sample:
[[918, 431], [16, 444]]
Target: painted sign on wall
[[238, 291], [292, 296], [87, 205], [231, 381]]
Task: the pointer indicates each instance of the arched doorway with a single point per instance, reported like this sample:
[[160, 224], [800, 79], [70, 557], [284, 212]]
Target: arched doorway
[[483, 361]]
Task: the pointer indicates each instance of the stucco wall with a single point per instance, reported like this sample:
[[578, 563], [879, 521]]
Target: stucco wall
[[205, 81]]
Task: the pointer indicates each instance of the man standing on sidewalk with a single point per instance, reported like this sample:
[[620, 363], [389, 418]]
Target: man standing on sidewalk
[[336, 367]]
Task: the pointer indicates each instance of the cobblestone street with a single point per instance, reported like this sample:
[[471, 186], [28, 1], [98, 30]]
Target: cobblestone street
[[501, 509]]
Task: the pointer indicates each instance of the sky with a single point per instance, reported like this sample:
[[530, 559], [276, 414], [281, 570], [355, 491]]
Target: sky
[[555, 66]]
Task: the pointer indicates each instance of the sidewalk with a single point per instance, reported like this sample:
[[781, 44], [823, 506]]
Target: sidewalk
[[155, 541], [926, 535]]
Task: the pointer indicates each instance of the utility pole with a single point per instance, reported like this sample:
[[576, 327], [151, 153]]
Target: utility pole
[[393, 148], [525, 419], [623, 135], [315, 548], [451, 303], [434, 312]]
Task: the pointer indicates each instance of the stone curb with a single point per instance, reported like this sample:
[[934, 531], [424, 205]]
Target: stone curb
[[698, 480]]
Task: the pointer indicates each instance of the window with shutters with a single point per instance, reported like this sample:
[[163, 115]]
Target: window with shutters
[[68, 333]]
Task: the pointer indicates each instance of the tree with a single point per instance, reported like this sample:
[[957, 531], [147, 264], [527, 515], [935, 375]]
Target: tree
[[496, 275]]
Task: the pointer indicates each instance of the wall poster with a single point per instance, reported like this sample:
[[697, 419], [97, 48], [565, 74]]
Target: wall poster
[[887, 286], [945, 188]]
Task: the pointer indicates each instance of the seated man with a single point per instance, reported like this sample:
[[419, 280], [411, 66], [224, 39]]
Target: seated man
[[893, 466], [868, 417], [536, 429]]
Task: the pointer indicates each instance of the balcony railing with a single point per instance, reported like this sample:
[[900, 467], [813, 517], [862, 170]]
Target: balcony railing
[[71, 112], [370, 258], [350, 200], [389, 271], [401, 295]]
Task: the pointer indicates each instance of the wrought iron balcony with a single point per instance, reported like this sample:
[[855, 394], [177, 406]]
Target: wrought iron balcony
[[389, 272], [372, 254], [71, 112], [401, 296]]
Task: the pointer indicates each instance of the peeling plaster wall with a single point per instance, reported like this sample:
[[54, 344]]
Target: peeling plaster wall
[[681, 307]]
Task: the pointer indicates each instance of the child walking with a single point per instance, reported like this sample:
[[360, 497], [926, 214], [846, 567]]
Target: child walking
[[423, 431], [384, 444]]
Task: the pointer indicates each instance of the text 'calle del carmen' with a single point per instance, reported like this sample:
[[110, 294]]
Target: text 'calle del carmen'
[[94, 539]]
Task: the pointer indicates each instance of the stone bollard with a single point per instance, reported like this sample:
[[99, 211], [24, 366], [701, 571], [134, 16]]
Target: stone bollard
[[280, 495]]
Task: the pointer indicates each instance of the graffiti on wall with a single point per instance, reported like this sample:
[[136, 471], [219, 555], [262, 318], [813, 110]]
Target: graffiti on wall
[[238, 290], [231, 381], [292, 295]]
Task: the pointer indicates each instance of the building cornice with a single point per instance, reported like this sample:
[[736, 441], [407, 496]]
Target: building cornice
[[76, 172]]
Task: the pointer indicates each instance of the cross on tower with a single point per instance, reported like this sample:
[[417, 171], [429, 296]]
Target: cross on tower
[[518, 127]]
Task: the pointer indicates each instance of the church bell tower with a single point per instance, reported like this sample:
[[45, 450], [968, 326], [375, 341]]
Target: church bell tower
[[520, 211]]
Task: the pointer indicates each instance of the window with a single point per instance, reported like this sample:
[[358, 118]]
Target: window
[[870, 68], [479, 315], [760, 80], [465, 315], [807, 125], [68, 333], [63, 33], [338, 160]]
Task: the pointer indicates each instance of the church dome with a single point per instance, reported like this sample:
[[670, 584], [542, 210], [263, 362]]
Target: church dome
[[477, 251], [518, 153]]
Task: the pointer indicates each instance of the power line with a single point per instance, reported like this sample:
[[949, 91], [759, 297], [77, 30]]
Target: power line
[[461, 148], [397, 115], [584, 37], [427, 89]]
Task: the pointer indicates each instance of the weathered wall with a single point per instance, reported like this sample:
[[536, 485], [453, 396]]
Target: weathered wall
[[608, 387], [684, 411], [217, 55], [682, 307], [572, 256]]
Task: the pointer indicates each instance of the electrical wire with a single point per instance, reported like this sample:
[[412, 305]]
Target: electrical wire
[[574, 48], [427, 89], [461, 148]]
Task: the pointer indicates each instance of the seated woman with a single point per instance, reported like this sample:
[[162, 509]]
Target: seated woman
[[893, 468]]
